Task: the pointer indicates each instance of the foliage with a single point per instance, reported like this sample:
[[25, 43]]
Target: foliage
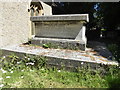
[[24, 75], [101, 14], [12, 62], [33, 78], [113, 77], [115, 49]]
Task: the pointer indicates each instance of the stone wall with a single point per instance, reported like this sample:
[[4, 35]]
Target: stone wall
[[14, 23], [1, 24]]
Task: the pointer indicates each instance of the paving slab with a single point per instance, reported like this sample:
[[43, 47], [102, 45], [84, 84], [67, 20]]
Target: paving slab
[[88, 56], [101, 48]]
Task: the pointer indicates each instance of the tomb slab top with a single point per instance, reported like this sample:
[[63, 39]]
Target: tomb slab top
[[66, 17]]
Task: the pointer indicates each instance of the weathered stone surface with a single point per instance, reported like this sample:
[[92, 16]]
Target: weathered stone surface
[[68, 30], [14, 23], [59, 43], [62, 27], [67, 17], [46, 8], [70, 58], [101, 48]]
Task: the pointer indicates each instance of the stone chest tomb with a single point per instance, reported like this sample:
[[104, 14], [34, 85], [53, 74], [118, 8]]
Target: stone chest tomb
[[67, 31]]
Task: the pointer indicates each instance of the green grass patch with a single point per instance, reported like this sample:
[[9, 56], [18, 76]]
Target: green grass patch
[[22, 75]]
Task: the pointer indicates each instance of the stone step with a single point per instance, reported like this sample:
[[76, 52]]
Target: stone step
[[59, 43], [59, 57]]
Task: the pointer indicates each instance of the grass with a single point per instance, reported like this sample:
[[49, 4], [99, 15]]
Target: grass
[[48, 78], [22, 75]]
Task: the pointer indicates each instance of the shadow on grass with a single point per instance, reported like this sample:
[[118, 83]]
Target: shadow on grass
[[113, 77], [114, 83]]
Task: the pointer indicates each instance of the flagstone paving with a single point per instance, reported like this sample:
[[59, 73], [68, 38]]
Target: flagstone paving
[[76, 55]]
